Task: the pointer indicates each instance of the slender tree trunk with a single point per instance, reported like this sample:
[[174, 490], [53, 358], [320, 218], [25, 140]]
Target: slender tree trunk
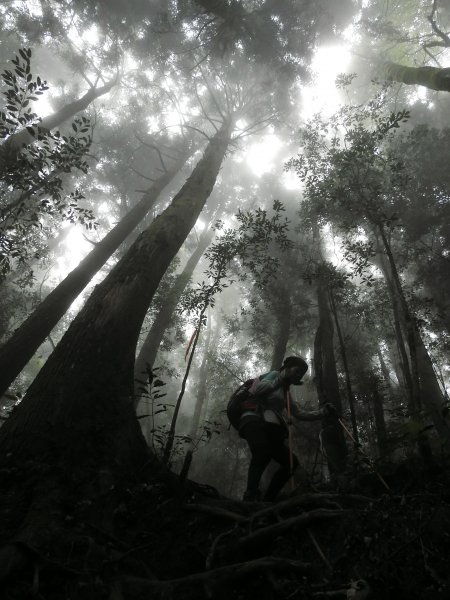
[[327, 383], [384, 369], [434, 78], [427, 392], [348, 382], [380, 422], [404, 361], [395, 359], [24, 342], [406, 317], [162, 320], [206, 401], [171, 435], [325, 373], [203, 384], [283, 315], [21, 138], [79, 410]]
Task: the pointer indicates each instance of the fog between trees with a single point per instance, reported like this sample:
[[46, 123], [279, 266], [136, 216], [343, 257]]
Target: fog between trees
[[176, 217]]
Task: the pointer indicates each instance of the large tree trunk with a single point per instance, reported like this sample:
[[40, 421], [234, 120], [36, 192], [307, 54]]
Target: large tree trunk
[[149, 349], [79, 410], [21, 138], [24, 342], [434, 78]]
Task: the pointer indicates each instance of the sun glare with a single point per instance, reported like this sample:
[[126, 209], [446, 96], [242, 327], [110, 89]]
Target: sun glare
[[76, 247], [322, 96], [260, 156]]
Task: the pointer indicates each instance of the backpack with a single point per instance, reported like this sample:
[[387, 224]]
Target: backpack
[[240, 401]]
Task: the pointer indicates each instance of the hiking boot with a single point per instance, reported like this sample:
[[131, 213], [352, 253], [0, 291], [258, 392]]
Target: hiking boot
[[252, 496]]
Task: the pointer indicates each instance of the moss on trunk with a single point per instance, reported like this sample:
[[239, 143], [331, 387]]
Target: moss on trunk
[[433, 78]]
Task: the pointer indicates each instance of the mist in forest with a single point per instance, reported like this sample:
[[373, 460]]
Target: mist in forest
[[192, 191]]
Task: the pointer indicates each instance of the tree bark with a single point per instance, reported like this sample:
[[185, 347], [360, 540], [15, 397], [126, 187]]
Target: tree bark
[[24, 342], [79, 410], [162, 320], [434, 78]]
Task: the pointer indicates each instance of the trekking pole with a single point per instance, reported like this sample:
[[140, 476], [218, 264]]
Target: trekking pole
[[358, 448], [291, 454]]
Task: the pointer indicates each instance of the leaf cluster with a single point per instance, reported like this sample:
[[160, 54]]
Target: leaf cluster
[[241, 253], [32, 187]]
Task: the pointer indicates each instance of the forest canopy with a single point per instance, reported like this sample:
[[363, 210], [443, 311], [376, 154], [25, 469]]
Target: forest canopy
[[192, 191]]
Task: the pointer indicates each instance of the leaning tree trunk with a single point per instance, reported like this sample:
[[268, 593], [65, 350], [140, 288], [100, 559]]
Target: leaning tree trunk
[[79, 410], [327, 383], [23, 137], [283, 317], [409, 374], [24, 342], [429, 394], [149, 350], [434, 78]]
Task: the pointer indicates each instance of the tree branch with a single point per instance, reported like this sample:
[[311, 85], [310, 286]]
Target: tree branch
[[434, 26]]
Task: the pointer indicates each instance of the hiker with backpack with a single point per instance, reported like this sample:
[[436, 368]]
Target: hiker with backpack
[[263, 403]]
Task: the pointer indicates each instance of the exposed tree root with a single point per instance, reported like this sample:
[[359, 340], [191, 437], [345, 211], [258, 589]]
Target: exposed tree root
[[264, 534], [137, 588], [217, 512]]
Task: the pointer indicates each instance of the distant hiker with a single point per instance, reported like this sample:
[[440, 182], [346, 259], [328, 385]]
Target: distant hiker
[[266, 429]]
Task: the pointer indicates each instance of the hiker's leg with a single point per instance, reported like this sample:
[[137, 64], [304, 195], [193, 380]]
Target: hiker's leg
[[255, 433], [280, 454]]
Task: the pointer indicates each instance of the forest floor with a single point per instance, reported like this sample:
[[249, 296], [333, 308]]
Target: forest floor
[[161, 539]]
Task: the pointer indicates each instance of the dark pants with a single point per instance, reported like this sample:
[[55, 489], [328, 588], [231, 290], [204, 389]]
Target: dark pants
[[266, 442]]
